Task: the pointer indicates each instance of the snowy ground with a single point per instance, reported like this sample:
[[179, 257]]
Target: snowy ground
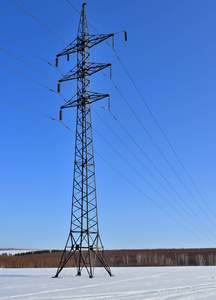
[[128, 283], [14, 251]]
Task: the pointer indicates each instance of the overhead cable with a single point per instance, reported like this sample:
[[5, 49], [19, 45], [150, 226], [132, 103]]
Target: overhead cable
[[36, 112], [49, 63], [163, 133], [51, 90], [34, 67], [153, 141], [148, 183], [40, 22], [131, 183], [114, 132], [42, 58]]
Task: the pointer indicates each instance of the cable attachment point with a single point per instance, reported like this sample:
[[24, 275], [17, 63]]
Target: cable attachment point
[[125, 36], [60, 115], [59, 87], [56, 62]]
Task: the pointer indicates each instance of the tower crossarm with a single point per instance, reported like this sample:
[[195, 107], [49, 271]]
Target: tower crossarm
[[95, 39], [90, 69], [78, 44], [88, 99], [71, 48]]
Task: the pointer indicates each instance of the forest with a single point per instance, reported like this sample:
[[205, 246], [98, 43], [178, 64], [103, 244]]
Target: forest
[[116, 258]]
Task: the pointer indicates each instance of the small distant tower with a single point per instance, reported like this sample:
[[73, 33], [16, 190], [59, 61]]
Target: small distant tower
[[84, 242]]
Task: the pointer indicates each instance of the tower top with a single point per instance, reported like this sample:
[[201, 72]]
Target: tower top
[[83, 24]]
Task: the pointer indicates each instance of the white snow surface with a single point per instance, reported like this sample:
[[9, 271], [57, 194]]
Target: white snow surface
[[14, 251], [161, 283]]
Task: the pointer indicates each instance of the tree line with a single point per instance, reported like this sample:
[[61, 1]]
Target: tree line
[[116, 258]]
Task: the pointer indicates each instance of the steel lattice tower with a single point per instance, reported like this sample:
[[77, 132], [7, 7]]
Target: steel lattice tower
[[84, 242]]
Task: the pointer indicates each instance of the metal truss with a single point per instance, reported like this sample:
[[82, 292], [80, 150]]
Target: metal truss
[[84, 242], [89, 69], [90, 41], [91, 97]]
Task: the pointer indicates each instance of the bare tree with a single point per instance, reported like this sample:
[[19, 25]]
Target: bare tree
[[211, 259], [200, 260]]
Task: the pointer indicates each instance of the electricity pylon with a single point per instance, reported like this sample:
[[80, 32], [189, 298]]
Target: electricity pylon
[[84, 242]]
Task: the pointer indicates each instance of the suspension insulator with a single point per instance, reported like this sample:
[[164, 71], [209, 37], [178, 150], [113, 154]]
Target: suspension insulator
[[59, 87], [60, 115], [56, 62], [110, 72], [125, 36], [113, 41], [68, 57]]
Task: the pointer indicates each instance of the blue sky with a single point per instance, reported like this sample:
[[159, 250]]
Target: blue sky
[[170, 54]]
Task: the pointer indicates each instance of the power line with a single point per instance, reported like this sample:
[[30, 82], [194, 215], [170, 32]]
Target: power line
[[49, 63], [197, 220], [142, 164], [163, 133], [51, 90], [33, 67], [31, 50], [149, 184], [151, 138], [130, 149], [158, 206], [37, 55], [36, 112], [141, 149], [27, 63], [158, 148], [131, 183], [40, 22], [200, 222]]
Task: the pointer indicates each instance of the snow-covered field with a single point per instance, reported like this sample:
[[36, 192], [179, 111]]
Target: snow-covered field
[[128, 283], [14, 251]]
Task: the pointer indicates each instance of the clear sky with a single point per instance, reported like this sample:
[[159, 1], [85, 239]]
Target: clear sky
[[171, 56]]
